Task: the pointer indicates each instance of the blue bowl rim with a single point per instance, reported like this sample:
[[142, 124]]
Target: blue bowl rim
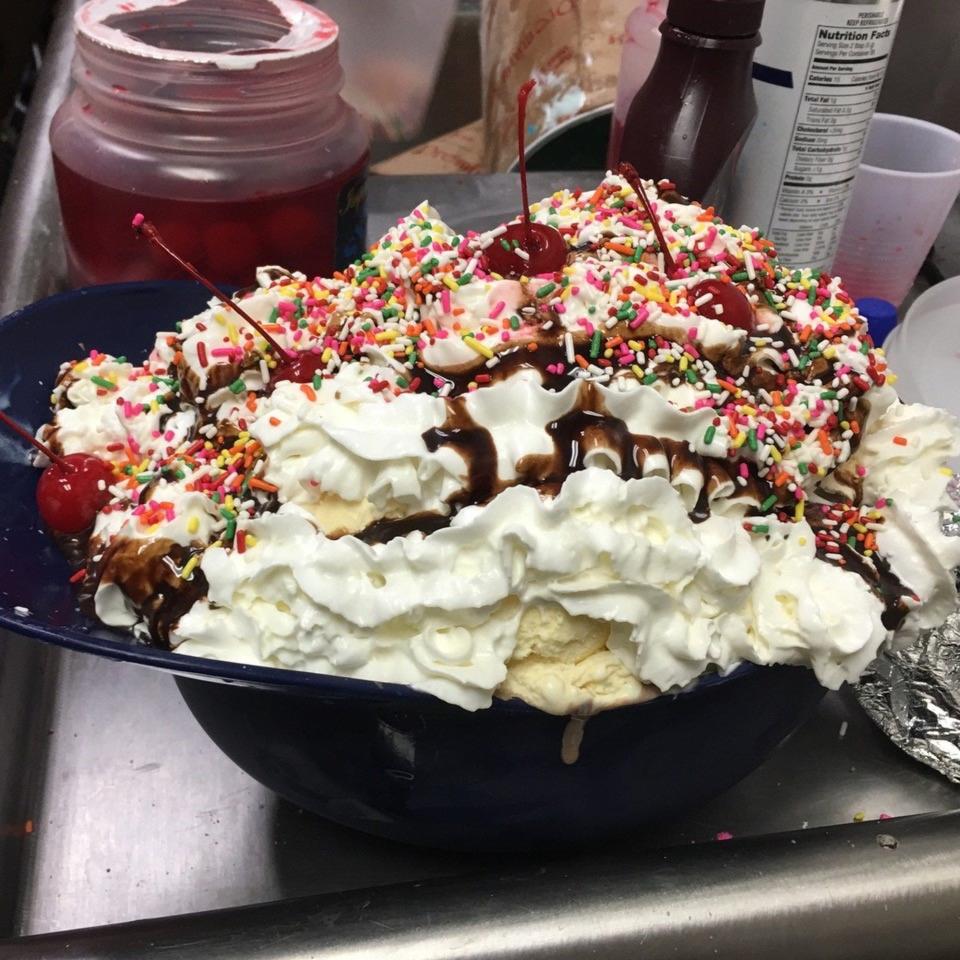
[[229, 671]]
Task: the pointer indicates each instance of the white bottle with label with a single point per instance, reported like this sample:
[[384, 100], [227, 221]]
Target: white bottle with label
[[817, 77]]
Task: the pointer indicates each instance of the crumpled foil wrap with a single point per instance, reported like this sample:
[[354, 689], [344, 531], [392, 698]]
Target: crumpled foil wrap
[[913, 695]]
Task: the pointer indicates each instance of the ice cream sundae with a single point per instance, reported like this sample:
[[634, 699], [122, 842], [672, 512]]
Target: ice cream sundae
[[581, 470]]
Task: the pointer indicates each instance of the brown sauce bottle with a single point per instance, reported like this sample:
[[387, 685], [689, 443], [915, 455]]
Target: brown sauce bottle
[[689, 121]]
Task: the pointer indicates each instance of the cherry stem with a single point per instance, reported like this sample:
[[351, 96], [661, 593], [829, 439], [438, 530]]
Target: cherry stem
[[42, 447], [523, 95], [629, 173], [143, 227]]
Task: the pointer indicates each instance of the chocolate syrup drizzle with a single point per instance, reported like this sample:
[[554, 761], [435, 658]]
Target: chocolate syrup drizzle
[[878, 576], [587, 427], [148, 573]]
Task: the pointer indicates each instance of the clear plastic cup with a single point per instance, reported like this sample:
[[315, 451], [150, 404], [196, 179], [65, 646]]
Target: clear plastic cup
[[908, 180]]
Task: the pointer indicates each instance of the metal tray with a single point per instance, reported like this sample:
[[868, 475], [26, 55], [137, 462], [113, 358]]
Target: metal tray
[[114, 805]]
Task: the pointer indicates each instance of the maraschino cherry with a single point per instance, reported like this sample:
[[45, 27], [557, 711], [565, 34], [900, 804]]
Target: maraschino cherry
[[734, 308], [291, 364], [302, 367], [545, 248], [72, 490]]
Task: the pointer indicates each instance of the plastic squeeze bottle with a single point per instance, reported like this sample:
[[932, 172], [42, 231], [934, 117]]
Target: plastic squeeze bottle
[[689, 121]]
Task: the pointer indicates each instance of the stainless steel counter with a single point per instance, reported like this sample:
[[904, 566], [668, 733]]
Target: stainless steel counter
[[891, 895], [137, 814], [114, 806]]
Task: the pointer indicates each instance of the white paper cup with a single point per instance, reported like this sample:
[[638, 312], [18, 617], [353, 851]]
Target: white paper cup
[[908, 180]]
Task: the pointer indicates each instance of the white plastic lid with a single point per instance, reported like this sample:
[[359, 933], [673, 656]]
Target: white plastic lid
[[924, 351]]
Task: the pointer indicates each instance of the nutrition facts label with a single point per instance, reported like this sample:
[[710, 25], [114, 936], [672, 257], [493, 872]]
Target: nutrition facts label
[[837, 99], [817, 76]]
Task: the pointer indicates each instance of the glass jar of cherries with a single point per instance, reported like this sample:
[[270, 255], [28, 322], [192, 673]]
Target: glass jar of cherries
[[223, 123]]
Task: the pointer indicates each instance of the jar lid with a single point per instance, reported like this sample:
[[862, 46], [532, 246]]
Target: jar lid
[[717, 18], [238, 36]]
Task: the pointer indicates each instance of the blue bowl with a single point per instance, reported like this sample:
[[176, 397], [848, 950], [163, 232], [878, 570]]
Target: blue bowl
[[378, 757]]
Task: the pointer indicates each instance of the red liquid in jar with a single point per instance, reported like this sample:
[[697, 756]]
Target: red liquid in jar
[[317, 230]]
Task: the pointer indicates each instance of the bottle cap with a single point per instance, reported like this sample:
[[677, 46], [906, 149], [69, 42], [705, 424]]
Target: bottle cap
[[717, 18], [881, 317]]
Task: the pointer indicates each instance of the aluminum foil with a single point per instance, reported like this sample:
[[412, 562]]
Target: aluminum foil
[[913, 695], [950, 518]]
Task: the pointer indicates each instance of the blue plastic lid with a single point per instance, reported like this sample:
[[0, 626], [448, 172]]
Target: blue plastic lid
[[881, 316]]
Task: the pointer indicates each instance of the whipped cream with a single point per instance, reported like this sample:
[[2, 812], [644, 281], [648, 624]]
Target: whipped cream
[[903, 456], [344, 440], [112, 408], [441, 613]]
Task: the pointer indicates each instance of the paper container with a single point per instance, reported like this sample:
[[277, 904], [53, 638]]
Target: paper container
[[459, 151], [570, 47]]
